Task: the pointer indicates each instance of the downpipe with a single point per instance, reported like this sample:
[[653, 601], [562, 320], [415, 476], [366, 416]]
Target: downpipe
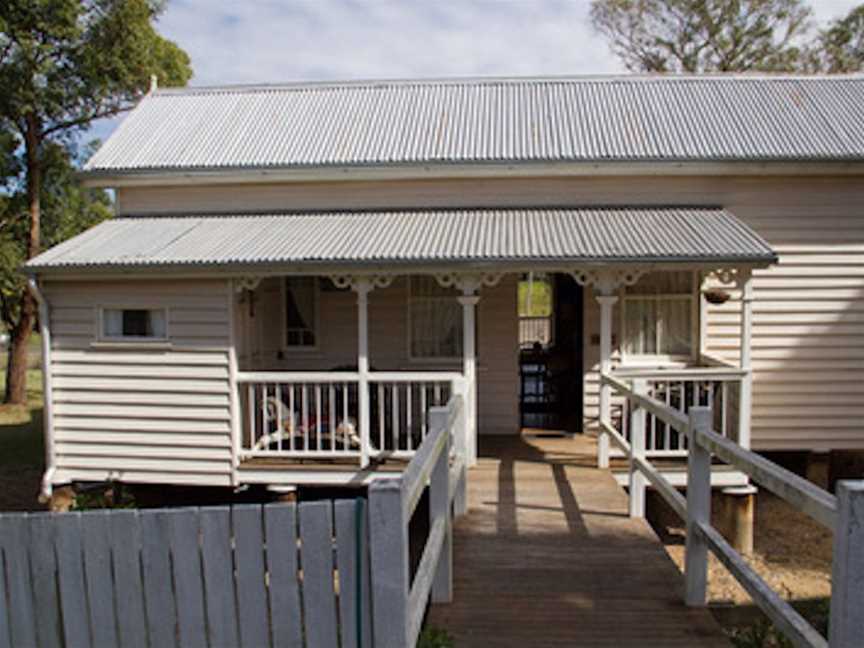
[[47, 414]]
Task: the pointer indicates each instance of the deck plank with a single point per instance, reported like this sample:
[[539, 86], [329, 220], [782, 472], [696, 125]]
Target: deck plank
[[548, 557]]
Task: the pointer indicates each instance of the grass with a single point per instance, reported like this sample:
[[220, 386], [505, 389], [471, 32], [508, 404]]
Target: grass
[[763, 634], [21, 426]]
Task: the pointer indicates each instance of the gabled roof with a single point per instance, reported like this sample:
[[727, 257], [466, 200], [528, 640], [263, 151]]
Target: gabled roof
[[417, 238], [469, 121]]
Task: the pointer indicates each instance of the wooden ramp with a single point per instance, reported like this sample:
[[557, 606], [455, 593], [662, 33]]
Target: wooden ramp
[[547, 556]]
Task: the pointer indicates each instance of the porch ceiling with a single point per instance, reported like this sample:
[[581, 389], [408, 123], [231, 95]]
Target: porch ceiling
[[413, 238]]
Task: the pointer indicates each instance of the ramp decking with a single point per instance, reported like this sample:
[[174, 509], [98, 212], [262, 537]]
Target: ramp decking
[[546, 556]]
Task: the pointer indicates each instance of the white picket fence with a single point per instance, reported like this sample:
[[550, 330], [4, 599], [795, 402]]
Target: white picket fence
[[843, 514], [311, 575]]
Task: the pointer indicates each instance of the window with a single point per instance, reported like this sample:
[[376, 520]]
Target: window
[[658, 315], [435, 320], [301, 312], [536, 295], [134, 324]]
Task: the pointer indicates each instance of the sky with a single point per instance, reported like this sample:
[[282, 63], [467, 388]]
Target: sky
[[271, 41]]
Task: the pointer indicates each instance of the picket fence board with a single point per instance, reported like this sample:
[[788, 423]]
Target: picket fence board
[[128, 592], [14, 531], [158, 590], [316, 561], [280, 522], [282, 575], [353, 563], [96, 541], [218, 565], [183, 541], [43, 569], [249, 563]]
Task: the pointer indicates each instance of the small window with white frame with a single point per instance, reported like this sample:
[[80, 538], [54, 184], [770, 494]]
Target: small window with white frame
[[659, 316], [435, 320], [134, 324], [301, 296]]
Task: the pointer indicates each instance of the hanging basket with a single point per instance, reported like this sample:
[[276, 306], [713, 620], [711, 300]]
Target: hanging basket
[[716, 296]]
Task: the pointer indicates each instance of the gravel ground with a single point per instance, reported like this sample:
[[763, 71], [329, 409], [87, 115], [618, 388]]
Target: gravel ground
[[792, 552]]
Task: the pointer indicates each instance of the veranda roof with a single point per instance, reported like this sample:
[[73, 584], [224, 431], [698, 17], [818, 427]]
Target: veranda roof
[[459, 237], [661, 118]]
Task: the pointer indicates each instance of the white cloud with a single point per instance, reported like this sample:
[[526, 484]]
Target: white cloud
[[271, 41], [266, 41]]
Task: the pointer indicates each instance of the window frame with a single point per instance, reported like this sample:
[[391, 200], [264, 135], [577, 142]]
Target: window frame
[[662, 358], [283, 309], [409, 298], [553, 288], [102, 337]]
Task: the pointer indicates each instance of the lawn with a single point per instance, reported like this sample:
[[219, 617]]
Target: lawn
[[21, 448]]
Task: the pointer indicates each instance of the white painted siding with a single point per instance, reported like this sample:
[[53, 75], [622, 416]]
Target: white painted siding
[[142, 413], [809, 315], [388, 342]]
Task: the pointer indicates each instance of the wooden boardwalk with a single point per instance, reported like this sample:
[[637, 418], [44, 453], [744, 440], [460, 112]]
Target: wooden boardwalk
[[547, 556]]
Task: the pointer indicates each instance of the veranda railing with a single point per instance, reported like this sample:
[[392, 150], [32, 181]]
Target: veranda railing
[[307, 415], [843, 514]]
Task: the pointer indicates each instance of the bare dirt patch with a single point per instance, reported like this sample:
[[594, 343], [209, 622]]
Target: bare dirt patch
[[791, 551]]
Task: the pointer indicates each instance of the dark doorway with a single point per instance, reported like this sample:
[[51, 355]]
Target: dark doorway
[[550, 353]]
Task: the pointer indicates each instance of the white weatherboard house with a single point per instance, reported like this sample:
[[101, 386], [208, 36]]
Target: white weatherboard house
[[297, 273]]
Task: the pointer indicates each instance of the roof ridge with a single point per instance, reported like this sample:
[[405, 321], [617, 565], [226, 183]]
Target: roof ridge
[[718, 77]]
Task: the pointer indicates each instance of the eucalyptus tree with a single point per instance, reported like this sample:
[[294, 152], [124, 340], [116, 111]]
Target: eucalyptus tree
[[63, 65]]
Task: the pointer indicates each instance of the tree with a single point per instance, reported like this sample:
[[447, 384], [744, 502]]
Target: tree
[[840, 47], [704, 35], [64, 64]]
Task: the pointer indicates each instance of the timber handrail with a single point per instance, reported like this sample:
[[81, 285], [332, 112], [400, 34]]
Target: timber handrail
[[721, 374], [843, 514], [400, 604]]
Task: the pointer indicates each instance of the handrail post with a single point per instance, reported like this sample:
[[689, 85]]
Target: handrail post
[[606, 303], [698, 507], [638, 482], [388, 544], [439, 507], [846, 626], [460, 498]]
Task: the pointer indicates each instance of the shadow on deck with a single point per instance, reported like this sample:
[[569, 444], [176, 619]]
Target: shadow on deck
[[547, 556]]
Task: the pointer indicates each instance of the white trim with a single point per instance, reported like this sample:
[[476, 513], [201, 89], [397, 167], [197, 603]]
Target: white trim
[[661, 358], [124, 341], [47, 389], [316, 330], [466, 170]]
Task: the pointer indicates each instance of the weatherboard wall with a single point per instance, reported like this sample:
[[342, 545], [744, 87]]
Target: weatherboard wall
[[142, 413], [808, 337]]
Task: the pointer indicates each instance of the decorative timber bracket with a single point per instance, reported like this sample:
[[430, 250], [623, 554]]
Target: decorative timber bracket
[[249, 282], [729, 276], [607, 282], [361, 282], [468, 283]]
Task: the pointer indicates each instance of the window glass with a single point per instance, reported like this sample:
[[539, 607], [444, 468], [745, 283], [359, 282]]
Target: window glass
[[134, 323], [658, 315], [436, 320], [301, 311]]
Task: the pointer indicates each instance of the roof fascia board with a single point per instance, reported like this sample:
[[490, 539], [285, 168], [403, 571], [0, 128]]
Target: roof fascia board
[[502, 170], [277, 270]]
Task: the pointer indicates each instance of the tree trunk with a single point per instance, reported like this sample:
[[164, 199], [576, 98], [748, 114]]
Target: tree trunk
[[19, 336]]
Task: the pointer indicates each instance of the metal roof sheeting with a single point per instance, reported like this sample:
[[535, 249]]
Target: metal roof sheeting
[[652, 118], [428, 237]]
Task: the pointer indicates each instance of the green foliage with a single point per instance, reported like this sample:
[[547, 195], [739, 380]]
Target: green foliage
[[63, 64], [67, 208], [840, 47], [540, 293], [704, 35], [763, 634], [435, 638], [68, 62]]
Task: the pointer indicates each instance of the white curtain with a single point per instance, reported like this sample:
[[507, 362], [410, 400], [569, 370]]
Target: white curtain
[[436, 320], [658, 314], [113, 322]]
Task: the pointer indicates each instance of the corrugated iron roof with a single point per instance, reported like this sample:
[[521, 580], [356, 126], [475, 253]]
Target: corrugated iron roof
[[649, 118], [427, 237]]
